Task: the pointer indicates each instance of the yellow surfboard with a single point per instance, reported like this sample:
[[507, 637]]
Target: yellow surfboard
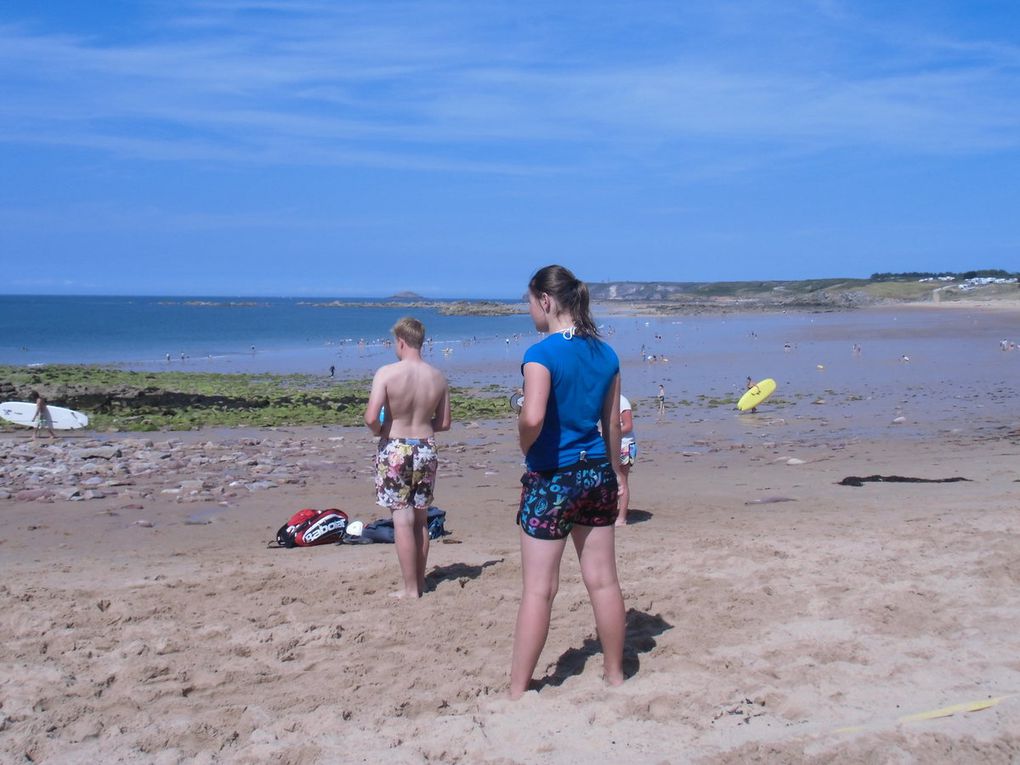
[[756, 394]]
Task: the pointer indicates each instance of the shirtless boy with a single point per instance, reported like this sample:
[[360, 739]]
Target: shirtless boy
[[417, 401]]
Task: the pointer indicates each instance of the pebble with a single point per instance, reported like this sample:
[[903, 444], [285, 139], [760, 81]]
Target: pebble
[[135, 469], [795, 461]]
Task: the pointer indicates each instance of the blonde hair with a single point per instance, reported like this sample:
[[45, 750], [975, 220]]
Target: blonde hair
[[411, 331]]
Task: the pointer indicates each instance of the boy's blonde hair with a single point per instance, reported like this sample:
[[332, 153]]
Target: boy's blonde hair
[[411, 331]]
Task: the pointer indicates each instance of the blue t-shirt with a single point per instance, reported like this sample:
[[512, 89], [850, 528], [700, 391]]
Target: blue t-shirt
[[582, 369]]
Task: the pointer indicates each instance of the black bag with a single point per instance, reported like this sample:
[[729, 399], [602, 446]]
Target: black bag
[[382, 529]]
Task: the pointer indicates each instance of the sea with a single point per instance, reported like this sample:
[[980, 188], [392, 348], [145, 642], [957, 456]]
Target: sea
[[842, 372]]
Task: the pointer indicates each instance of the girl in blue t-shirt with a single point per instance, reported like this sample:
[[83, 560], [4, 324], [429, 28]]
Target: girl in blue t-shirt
[[571, 387]]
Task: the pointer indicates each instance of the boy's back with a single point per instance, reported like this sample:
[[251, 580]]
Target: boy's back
[[417, 401], [415, 392]]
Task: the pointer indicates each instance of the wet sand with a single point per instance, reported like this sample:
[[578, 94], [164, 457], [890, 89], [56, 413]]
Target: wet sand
[[774, 615]]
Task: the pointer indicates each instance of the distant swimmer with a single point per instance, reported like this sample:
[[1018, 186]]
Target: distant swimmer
[[787, 347], [904, 357]]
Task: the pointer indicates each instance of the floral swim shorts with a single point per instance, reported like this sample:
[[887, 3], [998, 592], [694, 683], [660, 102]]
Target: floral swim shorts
[[628, 450], [405, 474], [552, 501]]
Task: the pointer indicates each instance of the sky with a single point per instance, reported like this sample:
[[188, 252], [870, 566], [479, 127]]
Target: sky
[[330, 148]]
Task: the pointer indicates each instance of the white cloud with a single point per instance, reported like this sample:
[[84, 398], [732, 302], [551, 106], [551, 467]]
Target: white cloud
[[377, 85]]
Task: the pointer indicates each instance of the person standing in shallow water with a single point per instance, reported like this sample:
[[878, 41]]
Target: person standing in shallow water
[[571, 387], [417, 401]]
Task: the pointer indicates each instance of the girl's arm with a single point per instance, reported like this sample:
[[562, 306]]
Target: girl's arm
[[537, 384]]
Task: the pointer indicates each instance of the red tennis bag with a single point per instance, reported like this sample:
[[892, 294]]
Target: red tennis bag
[[313, 527]]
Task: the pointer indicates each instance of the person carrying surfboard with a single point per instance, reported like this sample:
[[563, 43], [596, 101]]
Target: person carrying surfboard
[[41, 418], [748, 386]]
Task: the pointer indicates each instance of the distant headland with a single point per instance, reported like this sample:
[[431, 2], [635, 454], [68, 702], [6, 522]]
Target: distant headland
[[836, 294], [809, 294]]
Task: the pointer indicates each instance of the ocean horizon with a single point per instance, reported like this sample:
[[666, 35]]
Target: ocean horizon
[[221, 333]]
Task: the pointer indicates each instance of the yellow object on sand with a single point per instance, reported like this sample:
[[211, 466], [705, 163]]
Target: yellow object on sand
[[934, 714], [972, 706], [756, 394]]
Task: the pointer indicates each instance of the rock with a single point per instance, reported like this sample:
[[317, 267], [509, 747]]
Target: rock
[[192, 485], [4, 494], [69, 494], [769, 500], [93, 494], [99, 452], [29, 495], [794, 461], [143, 523], [899, 420]]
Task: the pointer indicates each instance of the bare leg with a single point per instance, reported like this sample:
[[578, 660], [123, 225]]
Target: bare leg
[[421, 545], [407, 551], [596, 550], [624, 491], [540, 572]]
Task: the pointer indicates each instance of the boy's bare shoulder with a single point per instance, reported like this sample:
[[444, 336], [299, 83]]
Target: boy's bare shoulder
[[437, 373], [387, 370]]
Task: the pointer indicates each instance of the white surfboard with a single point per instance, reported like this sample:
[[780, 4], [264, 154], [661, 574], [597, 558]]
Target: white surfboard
[[21, 413]]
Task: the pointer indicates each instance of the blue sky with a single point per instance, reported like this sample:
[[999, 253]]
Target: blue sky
[[261, 147]]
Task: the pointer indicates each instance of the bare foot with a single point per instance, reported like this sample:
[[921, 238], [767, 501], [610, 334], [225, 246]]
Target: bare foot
[[516, 695], [402, 594], [620, 522], [615, 679]]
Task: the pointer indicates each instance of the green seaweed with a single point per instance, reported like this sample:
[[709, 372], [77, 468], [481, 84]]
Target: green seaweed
[[118, 399]]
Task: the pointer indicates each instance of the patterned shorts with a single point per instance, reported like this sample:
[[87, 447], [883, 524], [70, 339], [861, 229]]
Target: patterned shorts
[[405, 472], [552, 501], [628, 450]]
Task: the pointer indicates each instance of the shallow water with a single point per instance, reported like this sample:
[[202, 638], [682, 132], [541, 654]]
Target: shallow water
[[941, 370]]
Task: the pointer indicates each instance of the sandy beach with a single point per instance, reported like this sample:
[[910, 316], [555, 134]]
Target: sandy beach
[[774, 614]]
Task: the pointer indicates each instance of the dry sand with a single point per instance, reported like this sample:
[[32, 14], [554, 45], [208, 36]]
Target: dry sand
[[806, 630]]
